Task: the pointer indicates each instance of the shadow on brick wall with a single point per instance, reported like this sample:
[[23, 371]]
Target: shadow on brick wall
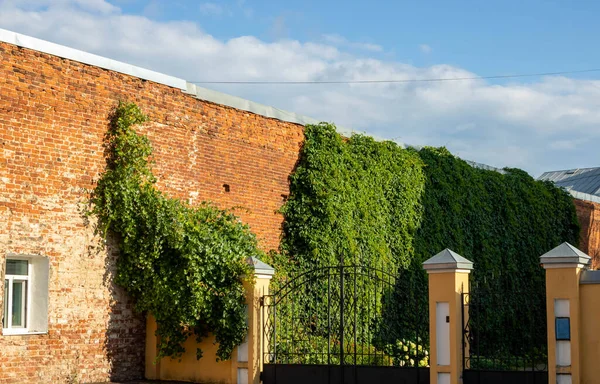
[[126, 331]]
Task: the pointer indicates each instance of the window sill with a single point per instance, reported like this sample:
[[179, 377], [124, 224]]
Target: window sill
[[19, 332]]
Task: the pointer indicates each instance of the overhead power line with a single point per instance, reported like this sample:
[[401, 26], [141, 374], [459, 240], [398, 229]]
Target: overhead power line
[[283, 82]]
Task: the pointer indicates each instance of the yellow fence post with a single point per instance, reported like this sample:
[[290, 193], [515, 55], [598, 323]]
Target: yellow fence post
[[250, 354], [563, 266], [448, 278]]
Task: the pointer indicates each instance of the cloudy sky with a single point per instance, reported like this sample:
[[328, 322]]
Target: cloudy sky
[[536, 123]]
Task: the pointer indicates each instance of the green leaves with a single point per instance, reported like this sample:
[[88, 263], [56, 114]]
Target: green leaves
[[353, 200], [374, 203], [356, 199], [183, 264], [502, 223]]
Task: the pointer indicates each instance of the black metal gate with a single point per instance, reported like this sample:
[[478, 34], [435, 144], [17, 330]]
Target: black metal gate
[[342, 325], [495, 349]]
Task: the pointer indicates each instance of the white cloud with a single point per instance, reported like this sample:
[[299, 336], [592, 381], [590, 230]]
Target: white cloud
[[153, 9], [425, 48], [340, 41], [566, 144], [211, 9], [534, 126]]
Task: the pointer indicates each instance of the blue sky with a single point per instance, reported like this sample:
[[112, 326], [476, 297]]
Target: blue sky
[[537, 123], [486, 37]]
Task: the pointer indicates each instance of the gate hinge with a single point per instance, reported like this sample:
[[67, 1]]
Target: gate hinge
[[260, 376], [261, 301]]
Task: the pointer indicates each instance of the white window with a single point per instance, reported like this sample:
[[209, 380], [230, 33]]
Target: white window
[[25, 295]]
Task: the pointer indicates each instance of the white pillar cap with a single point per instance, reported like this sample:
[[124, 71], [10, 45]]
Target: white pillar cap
[[565, 256], [260, 269], [448, 261]]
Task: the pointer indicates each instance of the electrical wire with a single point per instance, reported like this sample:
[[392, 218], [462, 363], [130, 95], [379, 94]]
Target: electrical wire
[[282, 82]]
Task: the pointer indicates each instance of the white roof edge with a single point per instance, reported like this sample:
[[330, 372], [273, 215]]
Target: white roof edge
[[160, 78], [88, 58], [247, 105], [584, 196], [175, 82]]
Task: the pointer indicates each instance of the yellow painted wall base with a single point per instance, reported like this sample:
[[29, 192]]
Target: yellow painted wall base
[[205, 370]]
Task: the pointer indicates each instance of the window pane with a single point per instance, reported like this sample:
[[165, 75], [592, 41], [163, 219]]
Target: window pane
[[18, 304], [5, 318], [16, 267]]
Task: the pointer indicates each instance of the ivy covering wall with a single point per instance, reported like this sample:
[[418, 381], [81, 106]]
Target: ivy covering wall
[[354, 201], [184, 265], [363, 201]]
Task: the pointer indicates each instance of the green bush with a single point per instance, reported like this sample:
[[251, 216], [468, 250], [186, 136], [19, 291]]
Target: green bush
[[407, 353]]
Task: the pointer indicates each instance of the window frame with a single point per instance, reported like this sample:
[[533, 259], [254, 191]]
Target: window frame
[[9, 329]]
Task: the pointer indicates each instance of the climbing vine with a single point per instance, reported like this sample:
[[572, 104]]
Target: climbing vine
[[356, 200], [374, 203], [503, 223], [184, 265]]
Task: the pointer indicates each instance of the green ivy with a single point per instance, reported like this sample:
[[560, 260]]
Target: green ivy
[[184, 265], [503, 223], [374, 203], [356, 200]]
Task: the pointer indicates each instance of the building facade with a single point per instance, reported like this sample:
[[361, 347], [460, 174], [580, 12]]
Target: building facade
[[66, 321], [584, 185]]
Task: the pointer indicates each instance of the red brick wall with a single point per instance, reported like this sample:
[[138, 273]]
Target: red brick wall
[[588, 214], [53, 115]]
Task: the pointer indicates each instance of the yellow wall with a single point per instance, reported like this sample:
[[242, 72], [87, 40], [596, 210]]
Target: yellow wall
[[447, 287], [590, 333], [205, 370]]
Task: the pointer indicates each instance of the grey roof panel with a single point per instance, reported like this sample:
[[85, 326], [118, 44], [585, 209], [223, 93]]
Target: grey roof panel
[[582, 183], [484, 166]]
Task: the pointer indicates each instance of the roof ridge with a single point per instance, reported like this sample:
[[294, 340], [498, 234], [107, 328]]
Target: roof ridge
[[571, 169]]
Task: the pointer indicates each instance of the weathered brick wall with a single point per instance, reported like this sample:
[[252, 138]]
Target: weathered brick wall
[[588, 214], [53, 116]]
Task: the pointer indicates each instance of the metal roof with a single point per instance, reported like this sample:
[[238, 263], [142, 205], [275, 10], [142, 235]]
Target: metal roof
[[589, 277], [565, 250], [485, 166], [582, 183]]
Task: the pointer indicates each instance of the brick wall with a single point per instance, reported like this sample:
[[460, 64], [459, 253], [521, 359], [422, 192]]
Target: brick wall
[[53, 115], [588, 214]]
